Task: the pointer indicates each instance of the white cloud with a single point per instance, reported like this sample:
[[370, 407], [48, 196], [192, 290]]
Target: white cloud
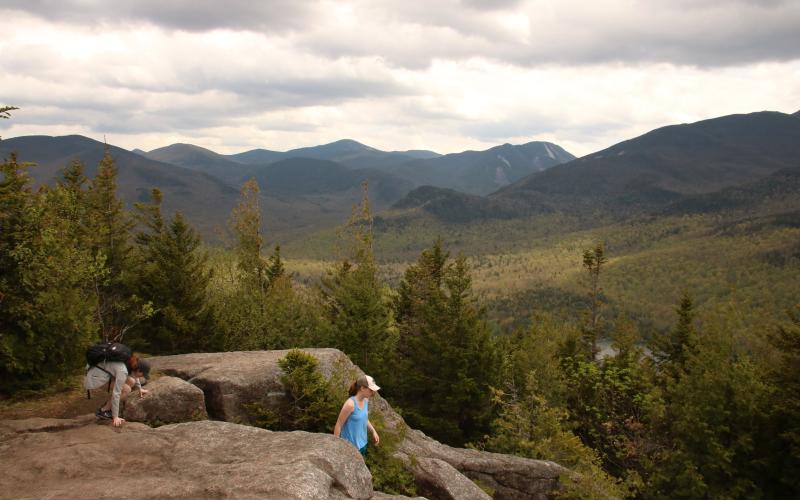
[[446, 75]]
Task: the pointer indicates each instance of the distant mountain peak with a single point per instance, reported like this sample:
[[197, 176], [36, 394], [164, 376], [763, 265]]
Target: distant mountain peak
[[349, 145], [183, 145]]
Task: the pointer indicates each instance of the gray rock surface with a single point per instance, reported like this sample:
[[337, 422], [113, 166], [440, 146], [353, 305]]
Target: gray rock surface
[[45, 458], [232, 379], [169, 400], [509, 476], [437, 479]]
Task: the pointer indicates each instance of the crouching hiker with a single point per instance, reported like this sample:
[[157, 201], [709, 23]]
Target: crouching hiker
[[115, 365]]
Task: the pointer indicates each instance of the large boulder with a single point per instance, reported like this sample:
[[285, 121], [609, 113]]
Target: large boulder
[[169, 400], [438, 479], [231, 380], [45, 458], [509, 477]]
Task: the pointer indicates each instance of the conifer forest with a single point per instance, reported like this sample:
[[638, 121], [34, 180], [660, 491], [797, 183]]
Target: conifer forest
[[616, 373]]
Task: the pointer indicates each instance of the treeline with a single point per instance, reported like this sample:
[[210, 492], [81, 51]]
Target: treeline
[[709, 409]]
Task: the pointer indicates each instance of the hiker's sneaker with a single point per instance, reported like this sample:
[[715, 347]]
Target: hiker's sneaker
[[103, 413]]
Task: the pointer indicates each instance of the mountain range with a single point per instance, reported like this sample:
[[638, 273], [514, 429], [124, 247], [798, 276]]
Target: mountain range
[[303, 189], [721, 163], [735, 162]]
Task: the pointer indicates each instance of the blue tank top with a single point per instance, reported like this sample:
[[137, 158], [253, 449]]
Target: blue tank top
[[355, 427]]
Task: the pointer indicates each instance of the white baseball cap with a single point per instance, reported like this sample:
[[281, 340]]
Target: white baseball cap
[[367, 381]]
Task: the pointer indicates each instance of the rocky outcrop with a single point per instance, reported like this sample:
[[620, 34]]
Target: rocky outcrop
[[437, 479], [169, 400], [509, 477], [45, 458], [231, 380]]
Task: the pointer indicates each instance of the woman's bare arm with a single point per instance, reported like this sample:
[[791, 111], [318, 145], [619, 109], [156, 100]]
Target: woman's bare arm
[[347, 409]]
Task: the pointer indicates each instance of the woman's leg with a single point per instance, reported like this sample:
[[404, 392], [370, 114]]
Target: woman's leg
[[126, 389]]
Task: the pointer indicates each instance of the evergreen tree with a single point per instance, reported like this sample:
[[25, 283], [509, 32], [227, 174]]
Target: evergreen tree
[[109, 226], [711, 426], [4, 111], [174, 278], [784, 377], [19, 226], [528, 426], [356, 304], [259, 308], [448, 360], [46, 305], [593, 262], [275, 268], [670, 350], [245, 223], [73, 206]]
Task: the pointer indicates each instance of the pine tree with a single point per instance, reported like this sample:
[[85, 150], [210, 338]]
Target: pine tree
[[593, 262], [355, 300], [711, 425], [46, 305], [260, 309], [671, 349], [4, 111], [448, 360], [174, 278], [19, 226], [109, 226], [275, 267], [528, 426], [245, 223]]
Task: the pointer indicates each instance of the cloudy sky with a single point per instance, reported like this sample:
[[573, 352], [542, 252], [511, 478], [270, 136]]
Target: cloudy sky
[[446, 75]]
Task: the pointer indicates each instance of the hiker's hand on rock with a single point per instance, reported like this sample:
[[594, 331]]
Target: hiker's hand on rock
[[117, 421], [143, 392]]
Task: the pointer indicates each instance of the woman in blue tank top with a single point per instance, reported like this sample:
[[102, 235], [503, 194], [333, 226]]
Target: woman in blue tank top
[[353, 422]]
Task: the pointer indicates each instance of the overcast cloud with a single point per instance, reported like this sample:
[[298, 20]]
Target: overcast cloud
[[447, 75]]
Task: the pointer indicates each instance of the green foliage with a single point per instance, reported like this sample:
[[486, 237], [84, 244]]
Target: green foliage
[[784, 424], [46, 301], [256, 303], [356, 304], [712, 422], [4, 111], [285, 316], [593, 262], [605, 403], [447, 358], [671, 349], [529, 427], [245, 222], [108, 228], [275, 268], [389, 474], [311, 402], [174, 278]]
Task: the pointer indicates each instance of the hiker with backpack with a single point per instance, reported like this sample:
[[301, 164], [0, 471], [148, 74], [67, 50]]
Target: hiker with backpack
[[114, 364], [353, 422]]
